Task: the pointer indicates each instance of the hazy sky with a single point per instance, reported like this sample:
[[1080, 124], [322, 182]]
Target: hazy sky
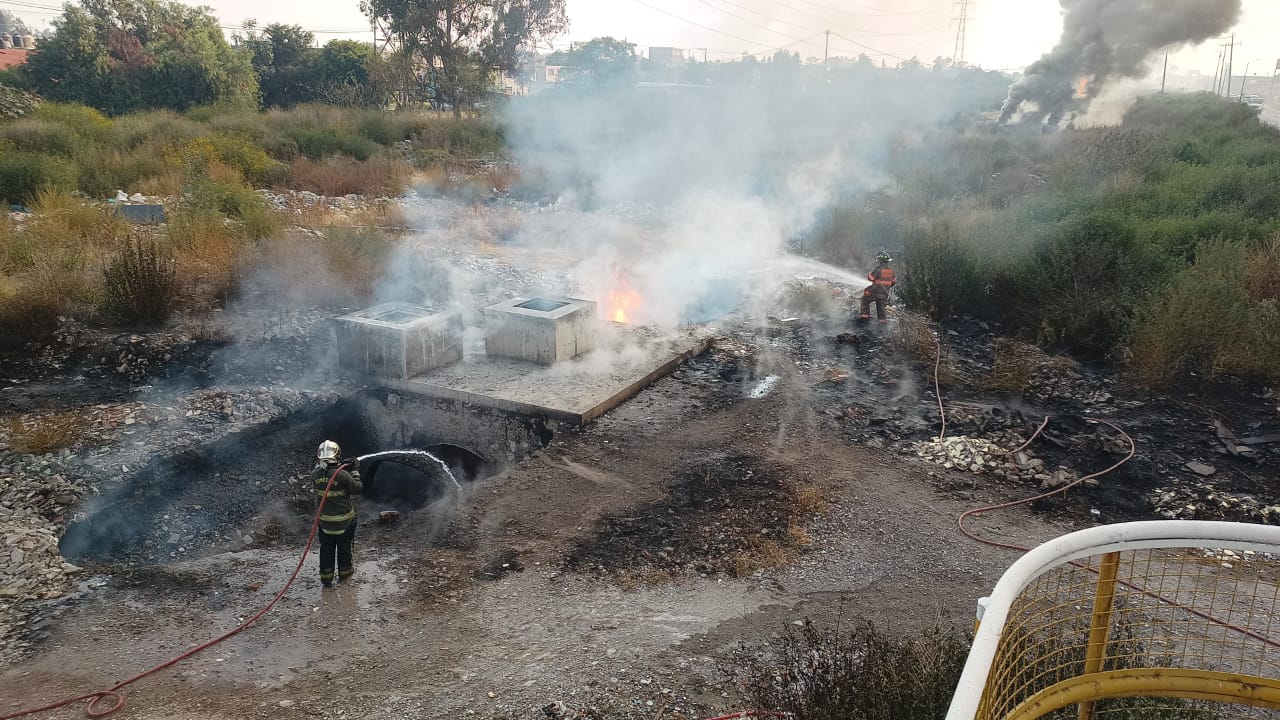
[[1002, 33]]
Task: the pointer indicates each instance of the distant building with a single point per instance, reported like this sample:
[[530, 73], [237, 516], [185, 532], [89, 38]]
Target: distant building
[[666, 56]]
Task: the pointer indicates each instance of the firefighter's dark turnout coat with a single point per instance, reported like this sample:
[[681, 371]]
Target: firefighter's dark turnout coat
[[339, 507]]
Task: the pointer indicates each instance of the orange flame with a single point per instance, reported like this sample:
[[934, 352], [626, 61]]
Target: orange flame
[[622, 301], [1082, 87]]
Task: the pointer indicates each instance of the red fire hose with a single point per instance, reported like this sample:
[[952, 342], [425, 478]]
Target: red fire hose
[[1133, 448], [94, 698]]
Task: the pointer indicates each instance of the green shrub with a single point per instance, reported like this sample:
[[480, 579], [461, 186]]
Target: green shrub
[[204, 194], [43, 136], [23, 174], [940, 275], [1081, 285], [1217, 316], [158, 127], [383, 128], [83, 121], [250, 160], [141, 283], [318, 144], [470, 138], [258, 221]]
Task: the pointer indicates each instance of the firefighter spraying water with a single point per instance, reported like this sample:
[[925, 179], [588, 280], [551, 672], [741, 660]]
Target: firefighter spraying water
[[338, 520], [882, 279]]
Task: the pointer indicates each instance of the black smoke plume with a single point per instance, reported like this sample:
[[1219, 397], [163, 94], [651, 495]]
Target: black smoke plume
[[1104, 40]]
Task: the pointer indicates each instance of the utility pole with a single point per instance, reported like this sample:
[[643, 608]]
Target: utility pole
[[826, 48], [1231, 65], [962, 22], [1165, 74], [1217, 73]]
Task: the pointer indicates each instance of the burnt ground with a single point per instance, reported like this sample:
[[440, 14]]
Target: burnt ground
[[769, 480]]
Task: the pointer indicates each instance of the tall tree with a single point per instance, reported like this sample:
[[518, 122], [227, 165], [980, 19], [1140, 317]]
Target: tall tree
[[125, 55], [601, 61], [282, 56], [341, 73], [454, 47], [11, 24]]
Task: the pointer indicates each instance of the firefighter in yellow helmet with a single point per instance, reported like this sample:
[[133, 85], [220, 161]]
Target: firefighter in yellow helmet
[[338, 517]]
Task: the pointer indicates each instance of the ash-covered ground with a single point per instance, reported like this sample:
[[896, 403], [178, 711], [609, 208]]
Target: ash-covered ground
[[792, 470]]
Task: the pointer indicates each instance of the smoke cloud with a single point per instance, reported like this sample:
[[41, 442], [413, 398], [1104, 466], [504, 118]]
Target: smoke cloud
[[687, 195], [1106, 40]]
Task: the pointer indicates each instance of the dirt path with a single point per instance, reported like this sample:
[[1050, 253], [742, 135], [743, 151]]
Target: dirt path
[[435, 626]]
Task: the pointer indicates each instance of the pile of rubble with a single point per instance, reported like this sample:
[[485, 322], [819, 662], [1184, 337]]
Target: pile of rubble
[[984, 457], [32, 568], [1203, 501], [299, 202], [36, 493]]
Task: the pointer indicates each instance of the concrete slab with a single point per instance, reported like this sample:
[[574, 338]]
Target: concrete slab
[[574, 392]]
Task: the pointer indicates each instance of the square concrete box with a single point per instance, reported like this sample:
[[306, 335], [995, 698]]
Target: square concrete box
[[398, 340], [540, 330]]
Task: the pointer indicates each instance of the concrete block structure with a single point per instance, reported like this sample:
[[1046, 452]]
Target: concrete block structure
[[540, 330], [142, 214], [399, 341]]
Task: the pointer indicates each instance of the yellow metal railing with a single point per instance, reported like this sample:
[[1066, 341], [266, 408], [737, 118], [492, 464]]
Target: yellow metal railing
[[1138, 621]]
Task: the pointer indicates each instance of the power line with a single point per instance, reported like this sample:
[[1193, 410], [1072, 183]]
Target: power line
[[700, 25], [870, 11], [788, 46], [17, 3], [755, 12], [868, 47]]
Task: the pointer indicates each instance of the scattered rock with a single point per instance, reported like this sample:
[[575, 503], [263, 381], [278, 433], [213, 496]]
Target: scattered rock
[[1201, 469]]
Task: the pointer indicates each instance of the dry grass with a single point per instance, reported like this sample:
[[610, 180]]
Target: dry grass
[[339, 176], [8, 240], [207, 258], [1262, 277], [378, 215], [798, 536], [808, 499], [501, 177], [168, 184], [914, 337], [46, 433], [60, 218], [1014, 368], [1017, 364], [812, 673], [141, 283], [765, 553], [342, 265]]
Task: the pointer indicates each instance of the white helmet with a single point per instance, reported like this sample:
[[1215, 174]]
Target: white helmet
[[328, 450]]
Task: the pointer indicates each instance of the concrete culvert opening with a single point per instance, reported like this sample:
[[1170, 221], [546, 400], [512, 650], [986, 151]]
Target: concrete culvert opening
[[414, 478], [253, 483]]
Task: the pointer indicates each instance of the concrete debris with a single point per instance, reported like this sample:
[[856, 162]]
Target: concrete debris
[[1201, 469], [963, 453], [1204, 501]]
